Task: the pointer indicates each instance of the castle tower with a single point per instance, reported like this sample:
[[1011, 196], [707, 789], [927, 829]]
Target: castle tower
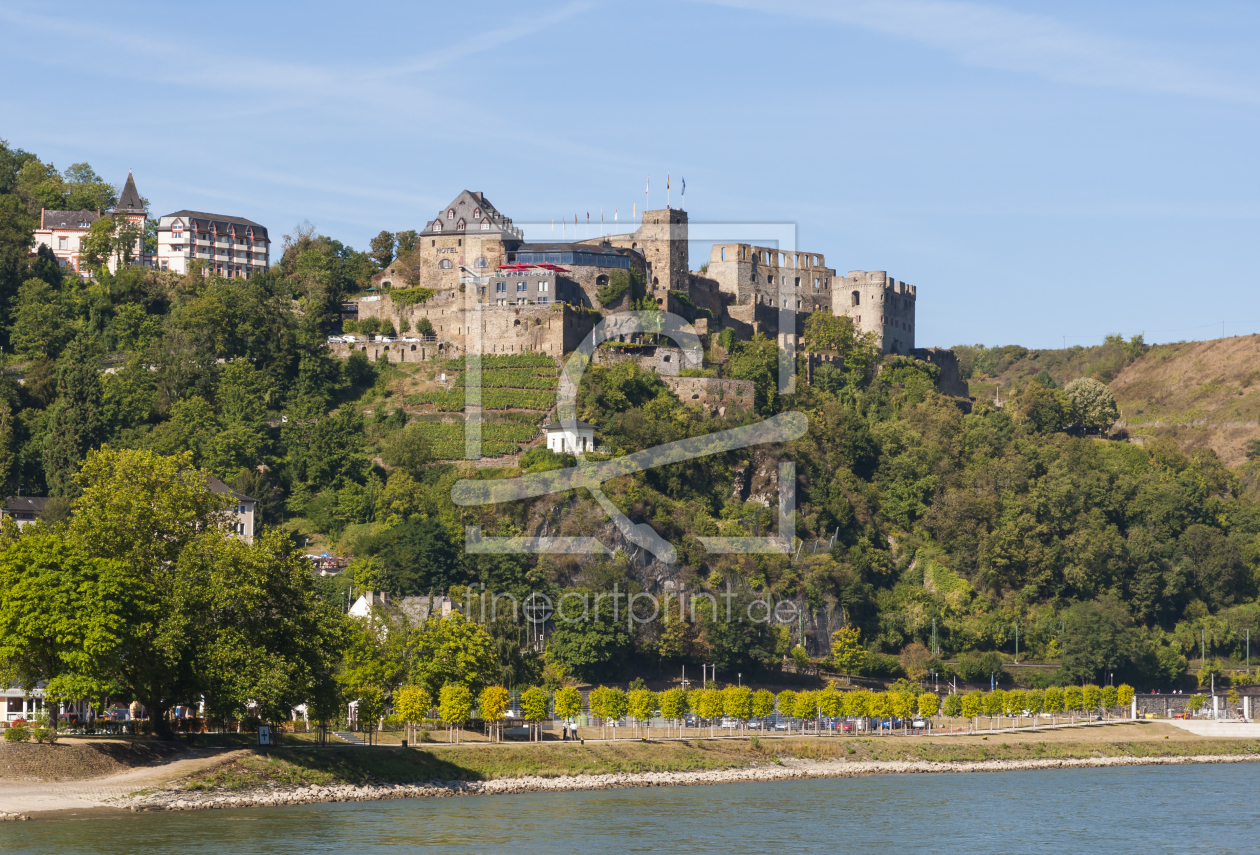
[[131, 208], [662, 238], [878, 304]]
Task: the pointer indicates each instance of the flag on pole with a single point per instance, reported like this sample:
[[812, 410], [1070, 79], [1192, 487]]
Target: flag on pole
[[614, 215], [666, 180], [684, 185], [601, 216]]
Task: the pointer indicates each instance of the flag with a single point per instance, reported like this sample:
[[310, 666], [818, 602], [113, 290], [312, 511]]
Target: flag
[[601, 216], [666, 180], [614, 215], [684, 187], [633, 208]]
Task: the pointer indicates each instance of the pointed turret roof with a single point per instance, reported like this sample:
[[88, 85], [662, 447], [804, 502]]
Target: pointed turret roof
[[129, 202]]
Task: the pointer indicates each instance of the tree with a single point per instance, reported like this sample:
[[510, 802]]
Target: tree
[[454, 706], [785, 703], [408, 450], [951, 706], [929, 703], [1054, 701], [642, 705], [708, 705], [1073, 699], [1044, 409], [737, 702], [806, 706], [674, 706], [383, 249], [75, 424], [1093, 407], [1096, 639], [1091, 698], [450, 651], [971, 706], [42, 324], [568, 703], [1110, 697], [1124, 695], [591, 649], [534, 707], [413, 703], [763, 704], [847, 654], [615, 707]]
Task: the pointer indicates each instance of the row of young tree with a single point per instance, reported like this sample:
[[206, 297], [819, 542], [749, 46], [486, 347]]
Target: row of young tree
[[741, 705]]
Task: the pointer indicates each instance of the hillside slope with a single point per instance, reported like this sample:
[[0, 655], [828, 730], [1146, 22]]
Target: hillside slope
[[1203, 394]]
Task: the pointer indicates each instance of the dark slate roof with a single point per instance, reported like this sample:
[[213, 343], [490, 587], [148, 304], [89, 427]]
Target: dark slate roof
[[221, 219], [464, 204], [217, 486], [129, 202], [68, 219], [558, 426], [25, 504]]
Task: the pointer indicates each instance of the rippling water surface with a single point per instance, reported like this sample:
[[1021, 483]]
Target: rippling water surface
[[1209, 808]]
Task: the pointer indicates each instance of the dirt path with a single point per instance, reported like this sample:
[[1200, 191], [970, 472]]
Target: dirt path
[[27, 797]]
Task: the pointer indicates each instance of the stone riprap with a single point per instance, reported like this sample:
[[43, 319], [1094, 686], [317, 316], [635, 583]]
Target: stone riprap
[[785, 769]]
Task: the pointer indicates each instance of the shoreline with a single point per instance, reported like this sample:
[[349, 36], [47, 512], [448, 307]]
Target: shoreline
[[786, 769]]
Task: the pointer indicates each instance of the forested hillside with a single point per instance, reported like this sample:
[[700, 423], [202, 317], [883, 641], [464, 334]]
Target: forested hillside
[[954, 526]]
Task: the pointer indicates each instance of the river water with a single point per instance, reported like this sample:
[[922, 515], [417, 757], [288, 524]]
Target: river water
[[1207, 808]]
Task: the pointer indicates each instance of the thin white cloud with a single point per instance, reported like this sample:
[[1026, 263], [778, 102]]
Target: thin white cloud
[[992, 37]]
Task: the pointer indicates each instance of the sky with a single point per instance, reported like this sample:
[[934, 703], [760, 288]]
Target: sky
[[1043, 173]]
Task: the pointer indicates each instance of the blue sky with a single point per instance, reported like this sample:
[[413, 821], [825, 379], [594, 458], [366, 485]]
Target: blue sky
[[1038, 170]]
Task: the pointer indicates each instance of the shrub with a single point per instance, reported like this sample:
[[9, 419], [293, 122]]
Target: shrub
[[17, 734]]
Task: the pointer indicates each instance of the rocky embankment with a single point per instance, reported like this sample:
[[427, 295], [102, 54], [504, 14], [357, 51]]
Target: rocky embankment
[[785, 769]]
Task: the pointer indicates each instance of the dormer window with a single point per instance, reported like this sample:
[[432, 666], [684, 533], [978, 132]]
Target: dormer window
[[437, 225], [476, 213], [485, 225], [450, 214], [459, 227]]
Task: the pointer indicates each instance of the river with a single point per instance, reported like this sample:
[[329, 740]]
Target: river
[[1212, 808]]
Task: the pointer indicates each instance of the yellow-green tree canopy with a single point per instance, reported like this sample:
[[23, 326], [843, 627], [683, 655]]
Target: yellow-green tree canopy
[[1073, 698], [1035, 699], [642, 704], [785, 701], [993, 703], [412, 703], [708, 703], [615, 704], [1054, 699], [455, 704], [806, 705], [929, 703], [1015, 702], [952, 706], [1124, 694], [831, 702], [1091, 697], [972, 704], [534, 703], [763, 703], [857, 703], [904, 704], [847, 654], [568, 702], [1109, 696], [494, 703], [674, 704], [737, 702]]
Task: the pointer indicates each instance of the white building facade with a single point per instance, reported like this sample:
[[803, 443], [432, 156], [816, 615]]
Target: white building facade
[[576, 440], [232, 247]]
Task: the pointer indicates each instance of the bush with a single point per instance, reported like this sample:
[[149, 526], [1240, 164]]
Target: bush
[[17, 734], [882, 665], [975, 669]]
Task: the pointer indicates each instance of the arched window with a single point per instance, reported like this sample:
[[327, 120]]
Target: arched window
[[450, 214], [437, 225], [481, 262], [857, 298], [601, 281], [723, 253], [445, 264], [459, 227], [476, 213], [485, 225]]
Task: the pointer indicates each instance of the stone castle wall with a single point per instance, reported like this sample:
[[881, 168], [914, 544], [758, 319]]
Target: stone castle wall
[[719, 396], [878, 304]]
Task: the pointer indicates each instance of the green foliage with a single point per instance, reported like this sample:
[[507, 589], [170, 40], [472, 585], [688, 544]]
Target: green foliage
[[451, 651], [847, 654], [413, 703], [620, 283], [455, 704], [1092, 406], [534, 703], [568, 703], [412, 297]]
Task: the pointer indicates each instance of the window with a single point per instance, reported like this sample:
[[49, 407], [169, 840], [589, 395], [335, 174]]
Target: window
[[543, 299], [815, 281], [485, 225], [459, 227], [450, 215], [857, 298], [542, 286], [177, 234], [445, 264], [723, 257], [500, 287], [476, 213], [797, 283], [164, 264], [520, 301], [481, 262], [522, 287], [63, 243]]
